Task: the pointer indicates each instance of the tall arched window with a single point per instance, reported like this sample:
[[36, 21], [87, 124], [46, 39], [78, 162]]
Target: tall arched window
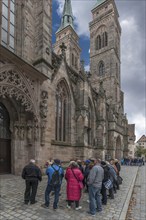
[[101, 68], [8, 24], [103, 39], [62, 112], [106, 39], [98, 42]]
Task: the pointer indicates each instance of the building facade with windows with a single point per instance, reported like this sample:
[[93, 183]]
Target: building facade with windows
[[131, 140], [49, 106], [141, 142]]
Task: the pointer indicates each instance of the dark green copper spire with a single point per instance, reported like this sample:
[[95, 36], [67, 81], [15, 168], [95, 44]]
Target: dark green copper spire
[[99, 2], [67, 17]]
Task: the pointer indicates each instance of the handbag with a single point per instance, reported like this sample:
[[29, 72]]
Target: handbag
[[108, 184], [119, 180], [80, 182], [81, 185]]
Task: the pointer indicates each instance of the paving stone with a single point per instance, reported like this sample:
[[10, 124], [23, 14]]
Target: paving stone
[[12, 191], [137, 207]]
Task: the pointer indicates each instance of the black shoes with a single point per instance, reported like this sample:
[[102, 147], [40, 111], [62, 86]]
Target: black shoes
[[33, 202], [26, 203], [45, 206]]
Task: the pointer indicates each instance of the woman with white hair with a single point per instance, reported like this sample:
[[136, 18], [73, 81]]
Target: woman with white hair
[[74, 178]]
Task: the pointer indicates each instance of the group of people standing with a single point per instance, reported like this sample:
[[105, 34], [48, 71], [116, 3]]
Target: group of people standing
[[137, 161], [93, 176]]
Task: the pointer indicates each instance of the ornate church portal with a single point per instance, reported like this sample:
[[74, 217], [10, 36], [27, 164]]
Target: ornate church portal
[[5, 140], [23, 110]]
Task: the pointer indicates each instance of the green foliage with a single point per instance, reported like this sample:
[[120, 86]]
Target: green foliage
[[140, 152]]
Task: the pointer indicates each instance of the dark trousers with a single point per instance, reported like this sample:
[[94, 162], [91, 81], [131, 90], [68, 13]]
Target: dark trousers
[[117, 185], [111, 193], [76, 203], [104, 195], [56, 190], [30, 191]]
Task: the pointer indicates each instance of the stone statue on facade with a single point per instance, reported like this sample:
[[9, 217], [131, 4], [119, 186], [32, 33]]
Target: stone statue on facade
[[44, 104]]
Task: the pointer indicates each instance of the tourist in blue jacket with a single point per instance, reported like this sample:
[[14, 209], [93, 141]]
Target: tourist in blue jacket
[[55, 175]]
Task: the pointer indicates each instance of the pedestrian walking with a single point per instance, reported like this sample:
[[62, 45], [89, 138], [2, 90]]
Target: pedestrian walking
[[55, 175], [32, 174]]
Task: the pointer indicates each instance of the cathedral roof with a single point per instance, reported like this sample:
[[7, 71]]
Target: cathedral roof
[[67, 17], [74, 76]]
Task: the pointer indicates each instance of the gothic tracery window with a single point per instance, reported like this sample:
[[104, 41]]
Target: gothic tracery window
[[8, 24], [101, 41], [105, 39], [101, 68], [62, 112], [98, 42]]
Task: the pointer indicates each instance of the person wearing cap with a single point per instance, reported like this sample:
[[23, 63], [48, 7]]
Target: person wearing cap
[[106, 178], [94, 182], [55, 187], [32, 174], [86, 173]]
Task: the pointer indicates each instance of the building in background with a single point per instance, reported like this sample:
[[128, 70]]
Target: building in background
[[49, 106], [131, 140], [141, 142]]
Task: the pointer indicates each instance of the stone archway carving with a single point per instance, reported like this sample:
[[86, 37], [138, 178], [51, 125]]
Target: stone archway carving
[[14, 83]]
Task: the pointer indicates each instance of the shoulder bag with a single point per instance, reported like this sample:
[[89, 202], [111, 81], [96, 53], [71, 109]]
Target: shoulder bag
[[80, 182]]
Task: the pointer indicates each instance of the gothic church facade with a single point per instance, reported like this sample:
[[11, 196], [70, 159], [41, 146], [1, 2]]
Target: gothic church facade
[[50, 107]]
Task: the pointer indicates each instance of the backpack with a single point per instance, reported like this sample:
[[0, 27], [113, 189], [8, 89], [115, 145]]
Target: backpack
[[56, 178]]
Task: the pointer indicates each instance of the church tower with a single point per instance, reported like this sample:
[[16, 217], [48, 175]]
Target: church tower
[[66, 34], [105, 61]]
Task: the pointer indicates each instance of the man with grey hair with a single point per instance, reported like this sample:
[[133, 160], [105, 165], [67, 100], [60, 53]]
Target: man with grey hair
[[94, 182], [32, 174]]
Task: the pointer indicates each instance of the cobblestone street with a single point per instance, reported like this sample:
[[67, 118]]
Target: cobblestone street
[[137, 207], [12, 207]]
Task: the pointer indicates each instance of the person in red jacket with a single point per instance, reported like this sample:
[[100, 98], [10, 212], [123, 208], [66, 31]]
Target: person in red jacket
[[73, 176]]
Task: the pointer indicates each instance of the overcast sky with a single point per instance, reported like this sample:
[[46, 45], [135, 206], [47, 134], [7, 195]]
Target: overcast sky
[[133, 51]]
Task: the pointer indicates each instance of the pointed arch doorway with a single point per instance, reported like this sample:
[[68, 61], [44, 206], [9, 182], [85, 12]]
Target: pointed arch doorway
[[5, 141]]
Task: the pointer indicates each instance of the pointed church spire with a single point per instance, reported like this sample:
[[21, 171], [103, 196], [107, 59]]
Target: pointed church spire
[[67, 17], [99, 2]]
